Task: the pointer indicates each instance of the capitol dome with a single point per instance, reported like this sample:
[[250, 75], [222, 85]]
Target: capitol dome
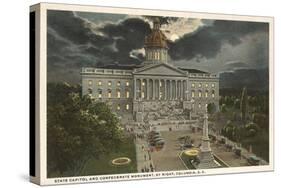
[[156, 38]]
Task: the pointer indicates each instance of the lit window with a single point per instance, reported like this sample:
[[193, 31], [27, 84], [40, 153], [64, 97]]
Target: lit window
[[127, 83], [109, 83], [192, 85], [143, 83], [118, 94], [199, 105], [127, 94], [118, 106], [142, 94], [100, 93], [160, 84], [199, 94], [127, 107], [213, 85], [206, 94], [90, 82], [200, 85], [118, 83], [99, 83], [207, 85], [109, 94], [90, 92], [213, 94], [206, 105], [192, 94]]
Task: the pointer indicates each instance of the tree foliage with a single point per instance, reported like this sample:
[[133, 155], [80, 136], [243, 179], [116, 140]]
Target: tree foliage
[[77, 128], [211, 108]]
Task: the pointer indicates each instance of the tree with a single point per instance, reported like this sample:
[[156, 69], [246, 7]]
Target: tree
[[211, 108], [244, 104], [223, 108], [77, 128], [237, 104]]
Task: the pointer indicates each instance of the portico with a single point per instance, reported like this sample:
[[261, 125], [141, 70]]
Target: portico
[[160, 88]]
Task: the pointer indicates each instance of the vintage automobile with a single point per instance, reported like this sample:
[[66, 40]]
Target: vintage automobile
[[253, 160]]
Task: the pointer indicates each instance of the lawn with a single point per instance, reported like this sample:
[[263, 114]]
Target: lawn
[[103, 165]]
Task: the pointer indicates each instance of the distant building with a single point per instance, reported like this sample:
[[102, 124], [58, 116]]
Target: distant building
[[154, 88]]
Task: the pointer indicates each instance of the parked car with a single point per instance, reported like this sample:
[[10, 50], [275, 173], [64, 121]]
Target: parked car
[[253, 160]]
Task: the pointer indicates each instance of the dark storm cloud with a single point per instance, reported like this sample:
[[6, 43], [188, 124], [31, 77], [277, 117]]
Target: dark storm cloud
[[110, 43], [74, 41], [208, 40], [163, 19], [73, 28], [129, 35]]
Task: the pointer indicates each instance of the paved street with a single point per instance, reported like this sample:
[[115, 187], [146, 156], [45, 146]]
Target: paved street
[[167, 159]]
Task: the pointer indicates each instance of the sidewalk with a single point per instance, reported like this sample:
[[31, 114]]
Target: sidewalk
[[142, 155]]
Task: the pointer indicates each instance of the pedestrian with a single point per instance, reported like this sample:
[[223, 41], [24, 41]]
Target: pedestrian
[[144, 157], [146, 169]]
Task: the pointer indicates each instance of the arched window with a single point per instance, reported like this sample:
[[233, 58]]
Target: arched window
[[109, 94], [200, 93], [206, 93], [90, 82], [192, 93], [118, 94], [100, 93], [213, 93]]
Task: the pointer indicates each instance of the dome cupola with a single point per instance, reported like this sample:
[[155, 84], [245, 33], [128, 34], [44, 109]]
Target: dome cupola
[[155, 44]]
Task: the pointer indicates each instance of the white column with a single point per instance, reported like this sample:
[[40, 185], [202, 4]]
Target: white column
[[187, 92], [135, 89], [159, 89], [176, 90], [141, 80], [181, 89], [153, 89], [165, 91], [171, 89], [147, 89]]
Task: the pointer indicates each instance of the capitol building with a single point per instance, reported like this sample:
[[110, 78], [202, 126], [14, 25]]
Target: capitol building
[[154, 91]]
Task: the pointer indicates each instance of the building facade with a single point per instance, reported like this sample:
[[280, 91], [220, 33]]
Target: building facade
[[156, 89]]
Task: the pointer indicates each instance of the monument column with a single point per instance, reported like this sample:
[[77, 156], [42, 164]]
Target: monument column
[[206, 156]]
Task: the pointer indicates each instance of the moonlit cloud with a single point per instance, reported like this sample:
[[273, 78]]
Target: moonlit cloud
[[77, 39]]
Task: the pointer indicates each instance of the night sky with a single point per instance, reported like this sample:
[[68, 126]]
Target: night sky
[[234, 49]]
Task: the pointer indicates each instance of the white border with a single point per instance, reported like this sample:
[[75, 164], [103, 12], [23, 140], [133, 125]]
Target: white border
[[84, 8]]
